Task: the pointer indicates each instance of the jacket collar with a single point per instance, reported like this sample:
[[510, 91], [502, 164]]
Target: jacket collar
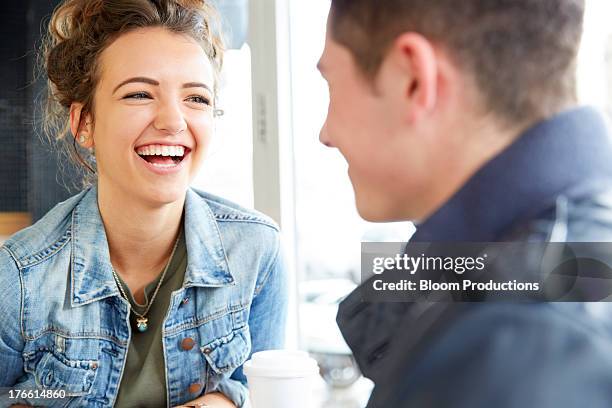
[[92, 278], [567, 154]]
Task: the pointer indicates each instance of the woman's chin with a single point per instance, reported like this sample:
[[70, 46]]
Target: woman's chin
[[171, 194]]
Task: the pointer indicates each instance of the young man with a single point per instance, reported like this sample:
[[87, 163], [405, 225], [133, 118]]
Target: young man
[[461, 116]]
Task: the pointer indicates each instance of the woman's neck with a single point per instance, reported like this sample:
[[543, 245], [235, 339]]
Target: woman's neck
[[140, 235]]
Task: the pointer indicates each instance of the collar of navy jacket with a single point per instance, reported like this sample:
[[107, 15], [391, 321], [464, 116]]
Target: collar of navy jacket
[[569, 153]]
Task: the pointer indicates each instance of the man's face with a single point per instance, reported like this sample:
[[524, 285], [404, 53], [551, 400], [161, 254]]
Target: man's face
[[366, 122], [413, 134]]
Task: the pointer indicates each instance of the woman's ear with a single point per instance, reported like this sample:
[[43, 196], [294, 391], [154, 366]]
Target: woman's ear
[[80, 126]]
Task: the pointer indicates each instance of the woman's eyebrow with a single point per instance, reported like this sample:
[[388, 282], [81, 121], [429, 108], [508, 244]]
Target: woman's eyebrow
[[154, 82], [196, 85]]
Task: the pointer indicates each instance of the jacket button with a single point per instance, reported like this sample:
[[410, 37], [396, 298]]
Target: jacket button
[[187, 343], [194, 388], [185, 300]]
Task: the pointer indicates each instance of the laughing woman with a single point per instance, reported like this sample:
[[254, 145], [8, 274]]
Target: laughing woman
[[139, 291]]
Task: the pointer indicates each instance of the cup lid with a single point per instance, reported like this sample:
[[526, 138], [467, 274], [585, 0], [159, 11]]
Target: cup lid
[[280, 364]]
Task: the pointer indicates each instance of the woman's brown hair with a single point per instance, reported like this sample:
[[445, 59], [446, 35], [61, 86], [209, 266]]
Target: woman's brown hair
[[80, 30]]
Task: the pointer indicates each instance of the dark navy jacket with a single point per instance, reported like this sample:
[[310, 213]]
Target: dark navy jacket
[[553, 184]]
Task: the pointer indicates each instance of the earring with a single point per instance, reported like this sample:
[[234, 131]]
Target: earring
[[82, 139]]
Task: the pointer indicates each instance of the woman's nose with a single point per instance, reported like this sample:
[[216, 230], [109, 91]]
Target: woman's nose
[[170, 119]]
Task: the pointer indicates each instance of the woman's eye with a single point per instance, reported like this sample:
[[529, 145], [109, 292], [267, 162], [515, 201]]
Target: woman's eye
[[199, 99], [138, 95]]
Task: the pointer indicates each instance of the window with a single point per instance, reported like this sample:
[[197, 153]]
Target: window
[[228, 168], [595, 58]]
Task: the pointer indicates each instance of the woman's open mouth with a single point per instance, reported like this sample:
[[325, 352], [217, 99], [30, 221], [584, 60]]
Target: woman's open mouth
[[163, 156]]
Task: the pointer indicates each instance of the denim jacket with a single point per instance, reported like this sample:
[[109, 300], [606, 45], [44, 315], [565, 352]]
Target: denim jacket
[[64, 325]]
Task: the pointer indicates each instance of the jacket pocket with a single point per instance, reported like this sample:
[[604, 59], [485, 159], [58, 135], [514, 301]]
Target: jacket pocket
[[227, 353], [75, 378]]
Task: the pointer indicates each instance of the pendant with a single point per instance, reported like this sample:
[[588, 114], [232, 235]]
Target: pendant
[[141, 323]]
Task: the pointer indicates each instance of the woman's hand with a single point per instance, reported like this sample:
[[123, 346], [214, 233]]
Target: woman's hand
[[213, 400]]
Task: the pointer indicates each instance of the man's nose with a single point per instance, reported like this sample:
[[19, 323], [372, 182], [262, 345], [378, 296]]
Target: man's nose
[[323, 135], [170, 119]]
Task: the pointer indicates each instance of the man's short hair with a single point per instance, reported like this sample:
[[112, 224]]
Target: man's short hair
[[522, 53]]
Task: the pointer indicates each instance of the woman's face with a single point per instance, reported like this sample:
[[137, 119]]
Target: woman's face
[[153, 115]]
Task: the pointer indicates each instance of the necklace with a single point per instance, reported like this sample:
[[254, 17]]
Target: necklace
[[142, 321]]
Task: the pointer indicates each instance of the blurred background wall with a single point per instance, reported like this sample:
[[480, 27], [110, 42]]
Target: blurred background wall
[[19, 180]]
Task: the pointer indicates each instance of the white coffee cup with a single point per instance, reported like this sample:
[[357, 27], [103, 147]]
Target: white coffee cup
[[281, 379]]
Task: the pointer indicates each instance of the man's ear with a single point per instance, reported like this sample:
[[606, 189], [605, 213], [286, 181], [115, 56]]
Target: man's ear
[[414, 57], [80, 126]]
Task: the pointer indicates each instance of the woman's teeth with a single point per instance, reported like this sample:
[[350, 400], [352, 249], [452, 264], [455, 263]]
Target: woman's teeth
[[160, 150], [162, 155]]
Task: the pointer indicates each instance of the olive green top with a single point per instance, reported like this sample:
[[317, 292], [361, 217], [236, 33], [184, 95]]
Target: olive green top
[[143, 383]]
